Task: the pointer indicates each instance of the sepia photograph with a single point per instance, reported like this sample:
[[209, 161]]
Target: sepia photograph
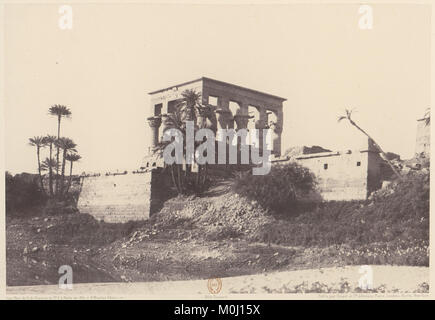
[[205, 150]]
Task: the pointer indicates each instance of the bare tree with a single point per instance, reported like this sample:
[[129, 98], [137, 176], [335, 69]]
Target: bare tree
[[427, 116], [348, 117]]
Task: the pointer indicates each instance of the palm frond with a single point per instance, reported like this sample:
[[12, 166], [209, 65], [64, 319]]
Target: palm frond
[[59, 110], [347, 116], [37, 141], [66, 144], [49, 163], [49, 139], [73, 157]]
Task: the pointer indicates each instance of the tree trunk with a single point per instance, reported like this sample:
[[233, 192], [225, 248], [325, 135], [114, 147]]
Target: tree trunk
[[63, 172], [70, 177], [57, 154], [379, 149], [50, 172], [39, 170]]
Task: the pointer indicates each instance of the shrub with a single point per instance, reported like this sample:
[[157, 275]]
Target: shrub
[[279, 190], [22, 194], [400, 216]]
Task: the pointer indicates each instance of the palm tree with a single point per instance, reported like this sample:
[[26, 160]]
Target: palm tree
[[39, 143], [48, 164], [66, 144], [189, 108], [173, 121], [189, 104], [71, 157], [348, 117], [50, 140], [59, 111]]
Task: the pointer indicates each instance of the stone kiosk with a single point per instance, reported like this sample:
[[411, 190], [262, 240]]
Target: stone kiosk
[[235, 106]]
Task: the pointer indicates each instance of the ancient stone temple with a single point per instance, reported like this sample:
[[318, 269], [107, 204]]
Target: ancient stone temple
[[135, 195], [236, 107]]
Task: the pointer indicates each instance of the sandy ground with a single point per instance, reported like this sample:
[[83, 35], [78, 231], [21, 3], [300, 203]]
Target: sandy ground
[[387, 279]]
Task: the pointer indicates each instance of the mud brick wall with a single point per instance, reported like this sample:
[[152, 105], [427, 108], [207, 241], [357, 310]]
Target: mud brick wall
[[122, 198]]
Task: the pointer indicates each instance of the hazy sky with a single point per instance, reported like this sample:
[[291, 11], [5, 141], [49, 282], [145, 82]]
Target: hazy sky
[[314, 55]]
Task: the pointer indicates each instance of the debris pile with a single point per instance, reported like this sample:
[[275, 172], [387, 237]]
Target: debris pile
[[225, 216]]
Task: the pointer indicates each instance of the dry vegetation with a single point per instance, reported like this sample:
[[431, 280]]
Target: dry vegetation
[[222, 234]]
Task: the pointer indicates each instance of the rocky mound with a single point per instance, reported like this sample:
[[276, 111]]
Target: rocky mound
[[225, 216]]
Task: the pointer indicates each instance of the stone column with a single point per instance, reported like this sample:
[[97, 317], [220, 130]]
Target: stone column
[[154, 123], [165, 120], [276, 138], [244, 108], [242, 123], [165, 106], [241, 120], [223, 103], [263, 115], [223, 117], [260, 125], [227, 120], [277, 132]]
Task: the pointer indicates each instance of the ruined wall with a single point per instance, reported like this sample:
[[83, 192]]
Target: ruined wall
[[339, 176], [350, 175], [122, 198], [376, 167]]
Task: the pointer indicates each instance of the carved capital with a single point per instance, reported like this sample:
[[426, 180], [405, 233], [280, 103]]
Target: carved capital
[[223, 117], [154, 122], [261, 124], [276, 127], [242, 120]]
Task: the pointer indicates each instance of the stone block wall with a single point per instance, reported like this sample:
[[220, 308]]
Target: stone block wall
[[123, 198], [339, 177], [344, 176]]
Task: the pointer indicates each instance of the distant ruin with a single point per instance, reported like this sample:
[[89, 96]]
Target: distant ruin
[[343, 175], [236, 107], [137, 195], [422, 145]]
